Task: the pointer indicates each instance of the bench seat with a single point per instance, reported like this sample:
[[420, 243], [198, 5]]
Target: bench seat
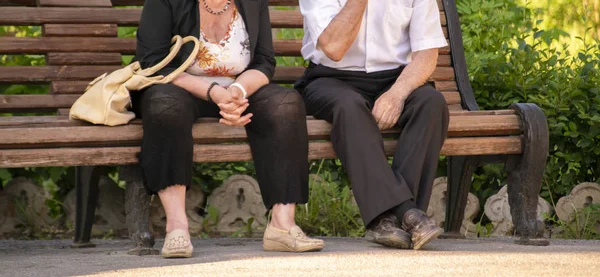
[[58, 141]]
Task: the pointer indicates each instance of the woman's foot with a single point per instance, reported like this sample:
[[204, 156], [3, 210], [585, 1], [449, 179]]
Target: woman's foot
[[177, 244], [293, 240], [177, 241]]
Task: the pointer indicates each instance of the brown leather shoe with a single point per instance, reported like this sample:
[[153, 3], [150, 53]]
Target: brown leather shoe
[[385, 231], [293, 240], [421, 228]]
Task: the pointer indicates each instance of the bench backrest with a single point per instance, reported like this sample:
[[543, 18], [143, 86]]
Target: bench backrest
[[79, 41]]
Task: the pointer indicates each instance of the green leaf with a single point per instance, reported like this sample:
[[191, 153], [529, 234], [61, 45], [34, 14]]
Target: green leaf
[[240, 168], [552, 61], [572, 126], [538, 34], [5, 176]]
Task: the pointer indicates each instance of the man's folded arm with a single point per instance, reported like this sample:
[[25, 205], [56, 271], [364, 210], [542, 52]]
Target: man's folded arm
[[333, 28]]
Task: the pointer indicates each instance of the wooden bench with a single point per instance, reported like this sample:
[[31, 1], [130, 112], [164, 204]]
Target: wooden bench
[[80, 42]]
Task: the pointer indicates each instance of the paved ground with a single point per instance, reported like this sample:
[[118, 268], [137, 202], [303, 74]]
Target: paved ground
[[341, 257]]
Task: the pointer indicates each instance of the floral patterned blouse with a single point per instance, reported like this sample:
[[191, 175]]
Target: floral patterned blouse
[[221, 61]]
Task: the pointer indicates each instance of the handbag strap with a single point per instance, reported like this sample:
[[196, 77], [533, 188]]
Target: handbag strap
[[187, 63], [177, 42]]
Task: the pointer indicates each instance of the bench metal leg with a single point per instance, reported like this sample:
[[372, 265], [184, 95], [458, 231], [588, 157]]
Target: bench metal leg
[[87, 178], [525, 173], [460, 173], [137, 211]]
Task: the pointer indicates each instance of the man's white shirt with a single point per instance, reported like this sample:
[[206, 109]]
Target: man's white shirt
[[390, 31]]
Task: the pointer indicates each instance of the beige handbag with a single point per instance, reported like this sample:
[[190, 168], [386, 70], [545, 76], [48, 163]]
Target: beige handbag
[[106, 99]]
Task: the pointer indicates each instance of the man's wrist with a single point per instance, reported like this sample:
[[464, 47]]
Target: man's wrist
[[400, 92]]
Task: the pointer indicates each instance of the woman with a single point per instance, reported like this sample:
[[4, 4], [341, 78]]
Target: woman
[[229, 79]]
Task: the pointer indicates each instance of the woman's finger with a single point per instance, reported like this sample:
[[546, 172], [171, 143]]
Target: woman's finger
[[239, 122], [243, 120], [228, 107], [240, 101], [225, 122], [229, 117], [237, 112], [240, 110]]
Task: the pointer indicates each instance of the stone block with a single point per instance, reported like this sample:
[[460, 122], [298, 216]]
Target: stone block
[[497, 210], [438, 202], [580, 197], [110, 208], [238, 200], [23, 203]]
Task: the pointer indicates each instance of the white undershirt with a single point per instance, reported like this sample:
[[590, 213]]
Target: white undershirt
[[390, 31]]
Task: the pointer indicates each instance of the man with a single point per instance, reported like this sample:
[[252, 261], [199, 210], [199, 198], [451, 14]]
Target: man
[[369, 63]]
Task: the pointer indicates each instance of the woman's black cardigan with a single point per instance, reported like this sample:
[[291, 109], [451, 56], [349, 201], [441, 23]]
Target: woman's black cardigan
[[162, 19]]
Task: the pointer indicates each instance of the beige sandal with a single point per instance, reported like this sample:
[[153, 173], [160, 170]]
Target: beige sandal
[[293, 240], [177, 245]]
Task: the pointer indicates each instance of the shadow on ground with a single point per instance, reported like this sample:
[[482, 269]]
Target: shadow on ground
[[341, 257]]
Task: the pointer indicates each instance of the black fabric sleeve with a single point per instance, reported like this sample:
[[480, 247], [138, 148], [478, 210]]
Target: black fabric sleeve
[[154, 35], [264, 55]]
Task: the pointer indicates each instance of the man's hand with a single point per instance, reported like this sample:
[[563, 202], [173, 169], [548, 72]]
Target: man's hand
[[232, 106], [388, 108]]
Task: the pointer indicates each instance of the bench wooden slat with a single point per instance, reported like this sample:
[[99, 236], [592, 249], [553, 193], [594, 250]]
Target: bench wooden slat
[[476, 113], [230, 152], [131, 134], [445, 50], [37, 121], [442, 74], [286, 19], [52, 102], [125, 17], [455, 107], [37, 74], [444, 60], [68, 87], [445, 85], [77, 87], [271, 3], [141, 2], [452, 97], [18, 3], [76, 3], [103, 30], [84, 58], [36, 103], [42, 45], [122, 17], [80, 30], [63, 121]]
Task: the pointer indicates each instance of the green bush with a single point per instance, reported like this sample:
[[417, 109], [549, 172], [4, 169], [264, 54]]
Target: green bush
[[584, 225], [331, 210], [510, 64]]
